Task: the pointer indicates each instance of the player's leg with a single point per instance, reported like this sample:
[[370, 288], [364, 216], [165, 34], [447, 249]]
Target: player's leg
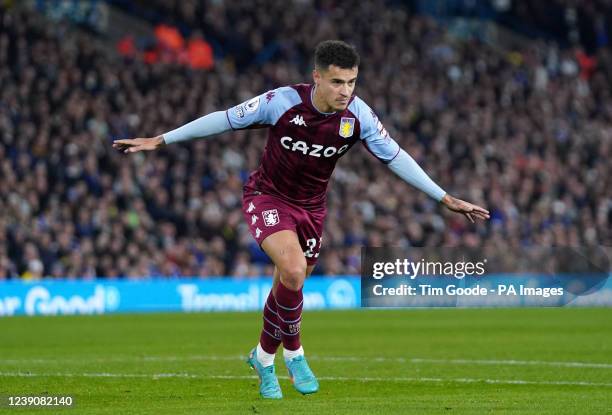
[[276, 279], [270, 337], [283, 248], [265, 216], [261, 358], [273, 224], [287, 254], [285, 251]]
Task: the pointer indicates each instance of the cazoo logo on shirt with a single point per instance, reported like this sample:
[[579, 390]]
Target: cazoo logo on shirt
[[315, 150]]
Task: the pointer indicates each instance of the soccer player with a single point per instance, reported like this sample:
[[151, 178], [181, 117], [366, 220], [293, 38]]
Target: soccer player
[[310, 127]]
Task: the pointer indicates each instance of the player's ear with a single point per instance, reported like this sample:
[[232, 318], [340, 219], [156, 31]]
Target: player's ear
[[316, 76]]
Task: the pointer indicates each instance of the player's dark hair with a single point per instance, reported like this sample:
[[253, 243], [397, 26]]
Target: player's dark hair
[[337, 53]]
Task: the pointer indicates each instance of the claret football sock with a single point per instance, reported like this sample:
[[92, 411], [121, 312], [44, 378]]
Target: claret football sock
[[289, 312], [270, 337]]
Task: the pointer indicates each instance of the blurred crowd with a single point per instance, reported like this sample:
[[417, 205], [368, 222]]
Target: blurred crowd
[[528, 134], [584, 22]]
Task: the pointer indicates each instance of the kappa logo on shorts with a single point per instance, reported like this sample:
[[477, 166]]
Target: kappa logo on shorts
[[257, 233], [270, 217], [254, 219], [251, 207]]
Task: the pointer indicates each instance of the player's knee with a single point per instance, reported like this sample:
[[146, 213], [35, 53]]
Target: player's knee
[[292, 276]]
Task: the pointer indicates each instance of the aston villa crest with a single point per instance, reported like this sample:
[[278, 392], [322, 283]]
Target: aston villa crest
[[347, 125], [270, 217]]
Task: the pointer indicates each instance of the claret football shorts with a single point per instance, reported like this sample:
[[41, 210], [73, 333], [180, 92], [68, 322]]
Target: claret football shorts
[[267, 214]]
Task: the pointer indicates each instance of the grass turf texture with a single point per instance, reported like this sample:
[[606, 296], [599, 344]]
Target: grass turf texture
[[190, 364]]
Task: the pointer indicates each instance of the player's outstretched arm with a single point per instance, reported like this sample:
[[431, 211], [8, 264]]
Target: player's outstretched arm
[[211, 124], [386, 149], [405, 167]]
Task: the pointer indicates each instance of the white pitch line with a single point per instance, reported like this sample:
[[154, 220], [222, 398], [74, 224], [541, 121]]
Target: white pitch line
[[361, 359], [124, 359], [514, 363], [466, 361], [155, 376]]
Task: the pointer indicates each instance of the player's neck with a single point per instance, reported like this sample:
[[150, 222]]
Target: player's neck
[[320, 104]]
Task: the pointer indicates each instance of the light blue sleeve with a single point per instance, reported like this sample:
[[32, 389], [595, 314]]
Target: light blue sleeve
[[380, 144], [405, 167], [376, 139], [261, 110], [211, 124], [264, 109]]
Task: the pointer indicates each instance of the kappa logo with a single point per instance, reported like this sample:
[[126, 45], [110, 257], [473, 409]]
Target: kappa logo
[[270, 217], [299, 120], [257, 233], [251, 207], [269, 96], [254, 219]]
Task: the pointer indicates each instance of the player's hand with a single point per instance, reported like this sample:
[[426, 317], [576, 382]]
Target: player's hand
[[132, 145], [470, 210]]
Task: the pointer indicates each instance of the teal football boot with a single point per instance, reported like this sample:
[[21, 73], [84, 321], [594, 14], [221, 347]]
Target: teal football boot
[[301, 376], [268, 382]]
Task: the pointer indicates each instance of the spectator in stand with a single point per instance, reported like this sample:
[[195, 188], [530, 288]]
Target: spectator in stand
[[523, 134]]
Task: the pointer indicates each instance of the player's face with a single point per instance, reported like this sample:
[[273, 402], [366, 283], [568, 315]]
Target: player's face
[[335, 86]]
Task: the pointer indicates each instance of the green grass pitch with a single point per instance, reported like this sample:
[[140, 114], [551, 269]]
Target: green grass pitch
[[440, 361]]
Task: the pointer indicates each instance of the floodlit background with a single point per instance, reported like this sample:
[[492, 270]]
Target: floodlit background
[[506, 103]]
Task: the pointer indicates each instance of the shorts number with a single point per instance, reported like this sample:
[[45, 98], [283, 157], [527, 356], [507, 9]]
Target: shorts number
[[312, 244]]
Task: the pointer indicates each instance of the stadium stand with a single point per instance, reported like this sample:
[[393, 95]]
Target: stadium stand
[[526, 133]]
